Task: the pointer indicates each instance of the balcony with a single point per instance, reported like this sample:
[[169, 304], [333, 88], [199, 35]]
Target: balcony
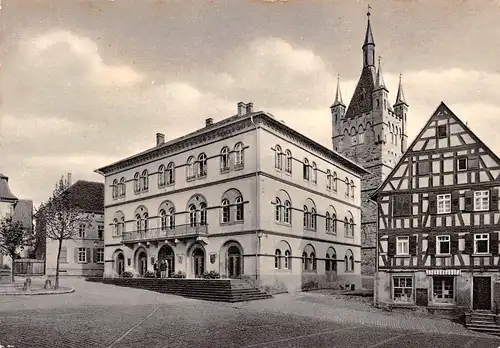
[[158, 233]]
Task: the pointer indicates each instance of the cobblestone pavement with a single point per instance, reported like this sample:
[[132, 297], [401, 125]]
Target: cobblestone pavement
[[105, 316]]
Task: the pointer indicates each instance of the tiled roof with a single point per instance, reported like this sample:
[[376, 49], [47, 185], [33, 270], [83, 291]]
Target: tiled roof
[[5, 194], [361, 101], [88, 196]]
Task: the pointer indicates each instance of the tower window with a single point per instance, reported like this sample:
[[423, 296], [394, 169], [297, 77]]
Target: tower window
[[442, 131], [378, 103]]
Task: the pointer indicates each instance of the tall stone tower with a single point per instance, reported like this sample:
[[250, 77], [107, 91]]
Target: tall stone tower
[[372, 133]]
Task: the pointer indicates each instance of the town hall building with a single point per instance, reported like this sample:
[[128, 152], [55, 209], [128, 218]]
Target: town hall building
[[246, 197]]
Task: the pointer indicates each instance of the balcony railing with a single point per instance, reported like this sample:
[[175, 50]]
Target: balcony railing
[[178, 231]]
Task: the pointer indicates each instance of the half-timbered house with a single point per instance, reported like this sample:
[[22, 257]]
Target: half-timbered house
[[439, 221]]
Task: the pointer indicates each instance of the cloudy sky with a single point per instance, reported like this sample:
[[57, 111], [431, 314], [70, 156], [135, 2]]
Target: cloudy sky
[[87, 82]]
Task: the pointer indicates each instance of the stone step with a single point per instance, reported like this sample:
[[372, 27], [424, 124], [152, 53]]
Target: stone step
[[482, 322]]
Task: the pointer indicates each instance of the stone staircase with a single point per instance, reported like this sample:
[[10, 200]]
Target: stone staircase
[[221, 290], [485, 322]]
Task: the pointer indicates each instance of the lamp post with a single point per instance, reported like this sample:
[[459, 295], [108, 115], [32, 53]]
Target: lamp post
[[257, 257]]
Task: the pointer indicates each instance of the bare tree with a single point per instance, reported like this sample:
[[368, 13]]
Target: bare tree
[[14, 237], [62, 218]]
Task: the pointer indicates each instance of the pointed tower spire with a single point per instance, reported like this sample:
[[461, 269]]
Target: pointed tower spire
[[338, 94], [380, 78], [369, 44], [400, 98]]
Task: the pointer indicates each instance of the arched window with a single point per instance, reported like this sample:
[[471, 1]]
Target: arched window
[[203, 213], [138, 222], [334, 223], [287, 218], [161, 176], [349, 261], [239, 155], [330, 260], [277, 210], [286, 264], [224, 159], [145, 220], [313, 218], [163, 220], [145, 180], [314, 173], [202, 165], [115, 227], [239, 208], [192, 215], [171, 218], [288, 163], [190, 167], [277, 259], [121, 226], [335, 180], [278, 164], [114, 188], [305, 169], [347, 187], [306, 217], [351, 227], [225, 210], [361, 135], [305, 261], [346, 263], [170, 173], [137, 184], [312, 257], [346, 227], [328, 222], [123, 188], [328, 180]]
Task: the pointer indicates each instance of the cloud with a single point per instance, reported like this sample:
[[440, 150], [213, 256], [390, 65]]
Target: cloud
[[68, 109]]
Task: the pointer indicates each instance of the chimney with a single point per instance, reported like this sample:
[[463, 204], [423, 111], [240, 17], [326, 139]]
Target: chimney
[[68, 183], [209, 122], [241, 108], [160, 139], [249, 108]]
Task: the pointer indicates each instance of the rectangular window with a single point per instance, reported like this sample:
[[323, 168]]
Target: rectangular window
[[100, 232], [481, 200], [462, 163], [444, 203], [481, 243], [100, 255], [423, 168], [402, 205], [63, 258], [82, 255], [403, 245], [443, 245], [442, 131], [402, 289], [81, 231], [442, 289]]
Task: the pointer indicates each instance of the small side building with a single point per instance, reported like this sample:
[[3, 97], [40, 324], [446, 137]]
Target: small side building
[[438, 222], [84, 254]]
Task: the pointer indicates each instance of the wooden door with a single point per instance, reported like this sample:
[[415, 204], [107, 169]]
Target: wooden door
[[481, 293]]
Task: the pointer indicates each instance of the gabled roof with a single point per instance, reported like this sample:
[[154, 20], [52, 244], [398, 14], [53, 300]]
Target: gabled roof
[[441, 112], [88, 196], [5, 194]]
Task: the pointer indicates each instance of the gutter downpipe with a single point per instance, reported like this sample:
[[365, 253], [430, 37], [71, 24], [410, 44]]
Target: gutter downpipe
[[257, 207]]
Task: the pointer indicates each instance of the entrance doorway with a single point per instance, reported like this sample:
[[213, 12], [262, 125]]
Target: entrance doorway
[[120, 264], [198, 262], [143, 263], [234, 263], [167, 253], [481, 293]]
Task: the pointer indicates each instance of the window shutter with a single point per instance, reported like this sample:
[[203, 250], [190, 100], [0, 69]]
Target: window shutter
[[455, 201], [432, 209], [75, 254], [89, 255], [469, 201], [494, 243], [431, 245], [454, 244], [413, 245], [468, 243], [391, 246], [494, 199]]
